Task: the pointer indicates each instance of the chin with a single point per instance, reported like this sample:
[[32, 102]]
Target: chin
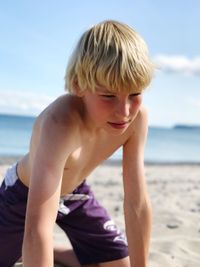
[[116, 132]]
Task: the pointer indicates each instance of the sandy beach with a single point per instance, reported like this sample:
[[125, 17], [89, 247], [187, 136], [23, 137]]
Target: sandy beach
[[175, 194]]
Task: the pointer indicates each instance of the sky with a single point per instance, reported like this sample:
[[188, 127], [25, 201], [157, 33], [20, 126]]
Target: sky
[[37, 38]]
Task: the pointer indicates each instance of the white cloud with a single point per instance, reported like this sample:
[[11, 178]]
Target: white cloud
[[178, 63], [25, 103]]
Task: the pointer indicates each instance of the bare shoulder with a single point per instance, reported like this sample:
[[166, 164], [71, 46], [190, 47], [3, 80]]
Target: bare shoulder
[[133, 149], [141, 120], [140, 126], [57, 127], [62, 111], [61, 115]]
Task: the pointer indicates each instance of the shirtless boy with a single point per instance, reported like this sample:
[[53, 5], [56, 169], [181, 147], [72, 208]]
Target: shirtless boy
[[103, 111]]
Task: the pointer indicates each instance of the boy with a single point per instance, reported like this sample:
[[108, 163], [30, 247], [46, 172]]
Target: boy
[[106, 75]]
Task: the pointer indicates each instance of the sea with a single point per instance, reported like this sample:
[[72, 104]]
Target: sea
[[178, 144]]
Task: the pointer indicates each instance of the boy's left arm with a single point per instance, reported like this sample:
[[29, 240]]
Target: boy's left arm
[[137, 207]]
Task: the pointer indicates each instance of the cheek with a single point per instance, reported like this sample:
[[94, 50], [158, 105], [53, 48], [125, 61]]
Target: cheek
[[103, 106], [136, 104], [99, 109]]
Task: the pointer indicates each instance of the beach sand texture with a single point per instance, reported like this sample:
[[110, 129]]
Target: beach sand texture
[[175, 196]]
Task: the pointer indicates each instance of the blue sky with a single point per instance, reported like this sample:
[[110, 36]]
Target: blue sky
[[37, 38]]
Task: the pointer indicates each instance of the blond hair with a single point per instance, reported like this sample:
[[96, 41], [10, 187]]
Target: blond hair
[[110, 55]]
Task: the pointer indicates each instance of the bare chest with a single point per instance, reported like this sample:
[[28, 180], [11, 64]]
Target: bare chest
[[84, 160]]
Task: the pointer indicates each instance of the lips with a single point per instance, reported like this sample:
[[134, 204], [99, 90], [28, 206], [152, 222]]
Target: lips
[[119, 125]]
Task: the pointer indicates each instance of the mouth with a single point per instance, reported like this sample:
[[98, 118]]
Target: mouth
[[119, 125]]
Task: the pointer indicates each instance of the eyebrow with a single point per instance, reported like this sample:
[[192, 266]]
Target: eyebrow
[[104, 91], [113, 93], [136, 94]]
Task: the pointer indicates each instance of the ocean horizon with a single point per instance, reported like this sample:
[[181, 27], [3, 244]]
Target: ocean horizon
[[178, 144]]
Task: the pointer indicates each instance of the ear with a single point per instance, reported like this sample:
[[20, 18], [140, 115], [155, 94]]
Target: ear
[[77, 90]]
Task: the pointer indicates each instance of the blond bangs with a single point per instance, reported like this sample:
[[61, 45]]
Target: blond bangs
[[111, 55]]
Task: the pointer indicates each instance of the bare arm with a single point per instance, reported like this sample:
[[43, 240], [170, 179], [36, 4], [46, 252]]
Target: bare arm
[[137, 206], [51, 153]]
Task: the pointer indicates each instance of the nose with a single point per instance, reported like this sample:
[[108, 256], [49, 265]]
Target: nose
[[123, 109]]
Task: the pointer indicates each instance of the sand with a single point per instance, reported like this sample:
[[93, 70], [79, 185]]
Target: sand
[[175, 194]]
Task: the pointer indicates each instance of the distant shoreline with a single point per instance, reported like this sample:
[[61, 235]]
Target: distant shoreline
[[10, 159], [184, 126], [187, 127]]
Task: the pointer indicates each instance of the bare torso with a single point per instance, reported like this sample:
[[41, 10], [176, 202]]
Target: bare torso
[[89, 153]]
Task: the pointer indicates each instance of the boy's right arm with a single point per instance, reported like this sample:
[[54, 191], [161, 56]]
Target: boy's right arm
[[52, 150]]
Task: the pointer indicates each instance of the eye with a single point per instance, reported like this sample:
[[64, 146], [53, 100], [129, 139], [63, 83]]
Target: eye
[[134, 95], [107, 96]]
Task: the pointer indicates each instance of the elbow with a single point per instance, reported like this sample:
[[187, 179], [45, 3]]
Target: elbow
[[37, 245], [35, 234], [30, 239], [138, 206]]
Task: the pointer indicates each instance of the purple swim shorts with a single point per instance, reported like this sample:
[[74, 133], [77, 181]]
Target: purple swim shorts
[[94, 236]]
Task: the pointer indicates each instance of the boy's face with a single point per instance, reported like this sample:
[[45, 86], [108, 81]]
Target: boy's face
[[113, 112]]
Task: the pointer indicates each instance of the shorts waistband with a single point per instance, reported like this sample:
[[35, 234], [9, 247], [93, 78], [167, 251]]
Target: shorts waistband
[[74, 197], [11, 175]]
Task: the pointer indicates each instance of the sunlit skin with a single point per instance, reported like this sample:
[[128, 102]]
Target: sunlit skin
[[110, 111], [75, 134], [80, 125]]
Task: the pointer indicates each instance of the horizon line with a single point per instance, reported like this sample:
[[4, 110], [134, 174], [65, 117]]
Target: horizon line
[[176, 125]]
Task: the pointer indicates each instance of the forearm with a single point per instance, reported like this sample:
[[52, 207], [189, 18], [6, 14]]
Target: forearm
[[37, 250], [138, 230]]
